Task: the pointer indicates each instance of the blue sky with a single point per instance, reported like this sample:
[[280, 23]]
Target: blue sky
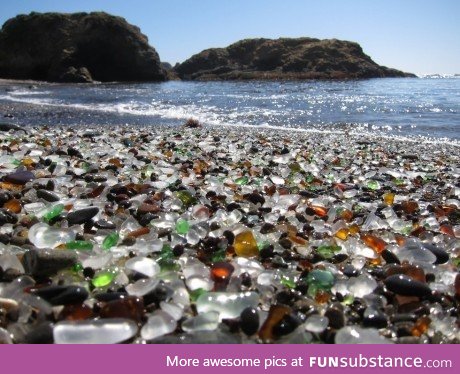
[[420, 36]]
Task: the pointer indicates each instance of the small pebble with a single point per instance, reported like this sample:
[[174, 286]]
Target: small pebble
[[82, 215], [103, 331], [406, 286], [249, 321]]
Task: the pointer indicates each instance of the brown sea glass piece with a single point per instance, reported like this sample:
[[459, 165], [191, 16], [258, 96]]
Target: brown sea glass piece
[[275, 315]]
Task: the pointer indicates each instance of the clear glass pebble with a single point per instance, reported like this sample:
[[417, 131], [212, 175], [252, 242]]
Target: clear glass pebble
[[227, 304], [362, 285], [158, 324], [43, 236], [103, 331], [202, 322], [143, 265], [316, 323], [142, 286], [359, 335]]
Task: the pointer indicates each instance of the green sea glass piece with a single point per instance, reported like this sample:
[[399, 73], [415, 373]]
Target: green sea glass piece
[[182, 226], [103, 279], [186, 198], [110, 241], [55, 211], [242, 181], [319, 280], [79, 245]]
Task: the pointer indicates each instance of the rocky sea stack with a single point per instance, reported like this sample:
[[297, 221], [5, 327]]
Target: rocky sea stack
[[79, 47], [285, 58]]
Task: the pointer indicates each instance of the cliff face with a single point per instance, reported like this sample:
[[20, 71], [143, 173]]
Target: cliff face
[[83, 47], [77, 47], [301, 58]]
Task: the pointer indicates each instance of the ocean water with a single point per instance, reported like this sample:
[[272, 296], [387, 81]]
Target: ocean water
[[415, 107]]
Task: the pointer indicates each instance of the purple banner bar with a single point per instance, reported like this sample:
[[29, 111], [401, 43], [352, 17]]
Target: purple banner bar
[[189, 359]]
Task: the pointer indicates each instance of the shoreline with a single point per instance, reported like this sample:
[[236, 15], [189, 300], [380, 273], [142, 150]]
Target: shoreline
[[375, 135], [317, 237]]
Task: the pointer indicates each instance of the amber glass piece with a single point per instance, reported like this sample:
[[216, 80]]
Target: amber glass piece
[[270, 191], [305, 265], [376, 261], [10, 186], [322, 297], [353, 229], [28, 162], [116, 162], [139, 232], [291, 230], [298, 240], [245, 244], [13, 206], [400, 240], [96, 192], [447, 229], [409, 207], [275, 315], [346, 215], [449, 209], [283, 191], [76, 312], [221, 271], [319, 210], [148, 208], [389, 198], [342, 234], [372, 241], [421, 326], [220, 274], [418, 231], [413, 271], [438, 211], [131, 307]]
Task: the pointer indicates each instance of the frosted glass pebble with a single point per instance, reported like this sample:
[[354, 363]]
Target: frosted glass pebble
[[103, 331], [142, 286], [192, 237], [228, 304], [181, 296], [202, 322], [43, 236], [316, 323], [158, 324], [362, 285], [196, 282], [277, 180], [98, 261], [359, 335], [5, 337], [8, 261], [143, 265], [156, 245], [176, 311]]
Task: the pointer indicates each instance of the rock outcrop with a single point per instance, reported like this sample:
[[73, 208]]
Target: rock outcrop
[[78, 47], [170, 72], [285, 58]]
